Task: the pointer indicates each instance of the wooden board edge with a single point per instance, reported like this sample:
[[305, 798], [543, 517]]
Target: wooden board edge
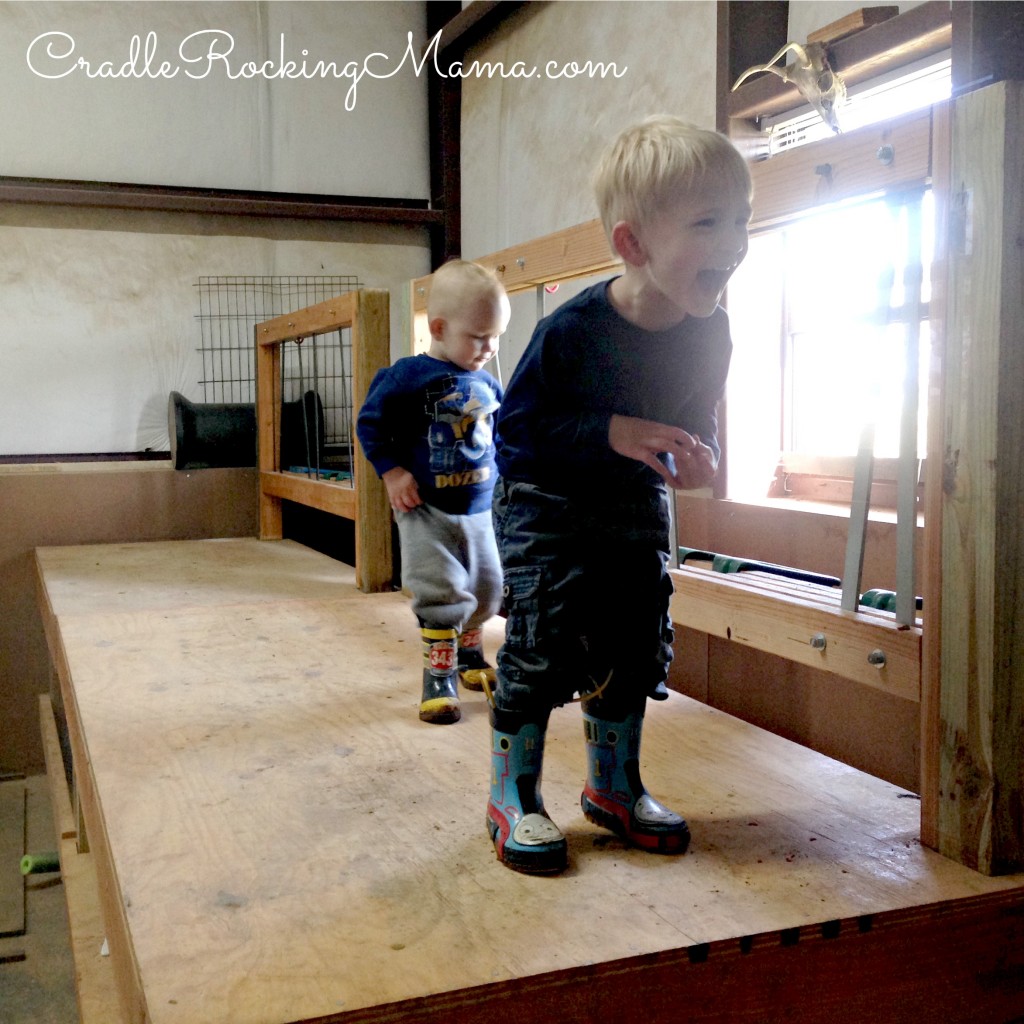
[[947, 960], [95, 984]]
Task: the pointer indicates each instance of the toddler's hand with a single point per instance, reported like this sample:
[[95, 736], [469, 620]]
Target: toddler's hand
[[403, 493], [692, 463]]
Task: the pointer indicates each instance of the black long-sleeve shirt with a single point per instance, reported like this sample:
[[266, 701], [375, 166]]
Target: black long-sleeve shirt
[[586, 363]]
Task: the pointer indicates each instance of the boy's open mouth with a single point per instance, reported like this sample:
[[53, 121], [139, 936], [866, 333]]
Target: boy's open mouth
[[714, 280]]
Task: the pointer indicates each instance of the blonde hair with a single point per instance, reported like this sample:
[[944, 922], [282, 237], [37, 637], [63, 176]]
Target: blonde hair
[[653, 161], [458, 282]]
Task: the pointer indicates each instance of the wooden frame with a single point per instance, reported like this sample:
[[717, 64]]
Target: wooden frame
[[972, 759], [561, 256], [971, 692], [364, 500]]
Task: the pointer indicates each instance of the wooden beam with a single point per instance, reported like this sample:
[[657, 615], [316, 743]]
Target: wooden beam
[[787, 618], [228, 202], [444, 113], [988, 43], [371, 349], [338, 499], [855, 21], [561, 256], [931, 562], [269, 393], [981, 757], [329, 315], [472, 22], [843, 167], [920, 32]]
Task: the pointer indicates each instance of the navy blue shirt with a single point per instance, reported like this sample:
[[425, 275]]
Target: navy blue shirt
[[586, 363], [437, 421]]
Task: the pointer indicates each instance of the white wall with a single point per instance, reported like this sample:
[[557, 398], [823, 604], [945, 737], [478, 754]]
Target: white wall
[[100, 311], [529, 145], [263, 132], [100, 305]]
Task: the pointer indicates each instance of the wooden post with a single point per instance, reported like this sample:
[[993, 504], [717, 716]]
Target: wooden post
[[367, 314], [371, 350], [980, 720], [419, 328], [268, 432], [931, 563]]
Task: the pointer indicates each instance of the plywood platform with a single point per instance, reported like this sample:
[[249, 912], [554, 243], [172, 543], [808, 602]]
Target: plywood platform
[[277, 837]]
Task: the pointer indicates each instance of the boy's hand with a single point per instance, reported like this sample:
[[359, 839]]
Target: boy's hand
[[692, 463], [403, 493]]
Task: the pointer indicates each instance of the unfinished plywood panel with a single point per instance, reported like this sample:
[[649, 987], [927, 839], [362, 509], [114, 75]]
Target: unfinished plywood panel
[[283, 840], [980, 769]]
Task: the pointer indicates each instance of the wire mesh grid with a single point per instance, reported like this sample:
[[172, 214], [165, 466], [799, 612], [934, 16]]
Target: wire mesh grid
[[317, 412], [316, 374], [229, 309]]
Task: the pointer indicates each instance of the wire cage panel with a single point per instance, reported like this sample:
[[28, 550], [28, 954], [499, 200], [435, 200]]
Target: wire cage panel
[[230, 308], [317, 406]]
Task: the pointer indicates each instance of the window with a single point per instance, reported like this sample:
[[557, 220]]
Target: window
[[821, 306], [900, 91], [820, 310]]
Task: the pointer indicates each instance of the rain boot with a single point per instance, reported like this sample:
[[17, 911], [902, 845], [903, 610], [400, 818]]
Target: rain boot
[[615, 798], [524, 837], [440, 701], [474, 671]]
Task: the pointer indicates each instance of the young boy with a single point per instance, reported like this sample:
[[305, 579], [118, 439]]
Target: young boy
[[427, 429], [614, 398]]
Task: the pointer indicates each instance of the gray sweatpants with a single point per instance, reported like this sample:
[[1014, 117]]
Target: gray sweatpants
[[451, 567]]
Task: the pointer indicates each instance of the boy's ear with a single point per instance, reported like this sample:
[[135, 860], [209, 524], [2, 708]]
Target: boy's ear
[[628, 245], [437, 326]]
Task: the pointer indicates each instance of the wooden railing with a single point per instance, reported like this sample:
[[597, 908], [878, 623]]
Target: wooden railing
[[363, 498]]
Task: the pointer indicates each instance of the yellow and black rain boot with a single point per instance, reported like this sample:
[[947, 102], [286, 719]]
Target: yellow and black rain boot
[[524, 837], [615, 798], [474, 671], [440, 701]]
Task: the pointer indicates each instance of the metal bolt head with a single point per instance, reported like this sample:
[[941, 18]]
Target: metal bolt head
[[877, 658], [819, 641], [886, 155]]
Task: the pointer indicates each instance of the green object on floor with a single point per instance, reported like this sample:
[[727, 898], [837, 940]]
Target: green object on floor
[[40, 863]]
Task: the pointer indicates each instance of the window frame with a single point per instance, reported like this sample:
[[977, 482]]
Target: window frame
[[792, 184]]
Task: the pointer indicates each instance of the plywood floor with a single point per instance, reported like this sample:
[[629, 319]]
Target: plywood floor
[[288, 842]]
